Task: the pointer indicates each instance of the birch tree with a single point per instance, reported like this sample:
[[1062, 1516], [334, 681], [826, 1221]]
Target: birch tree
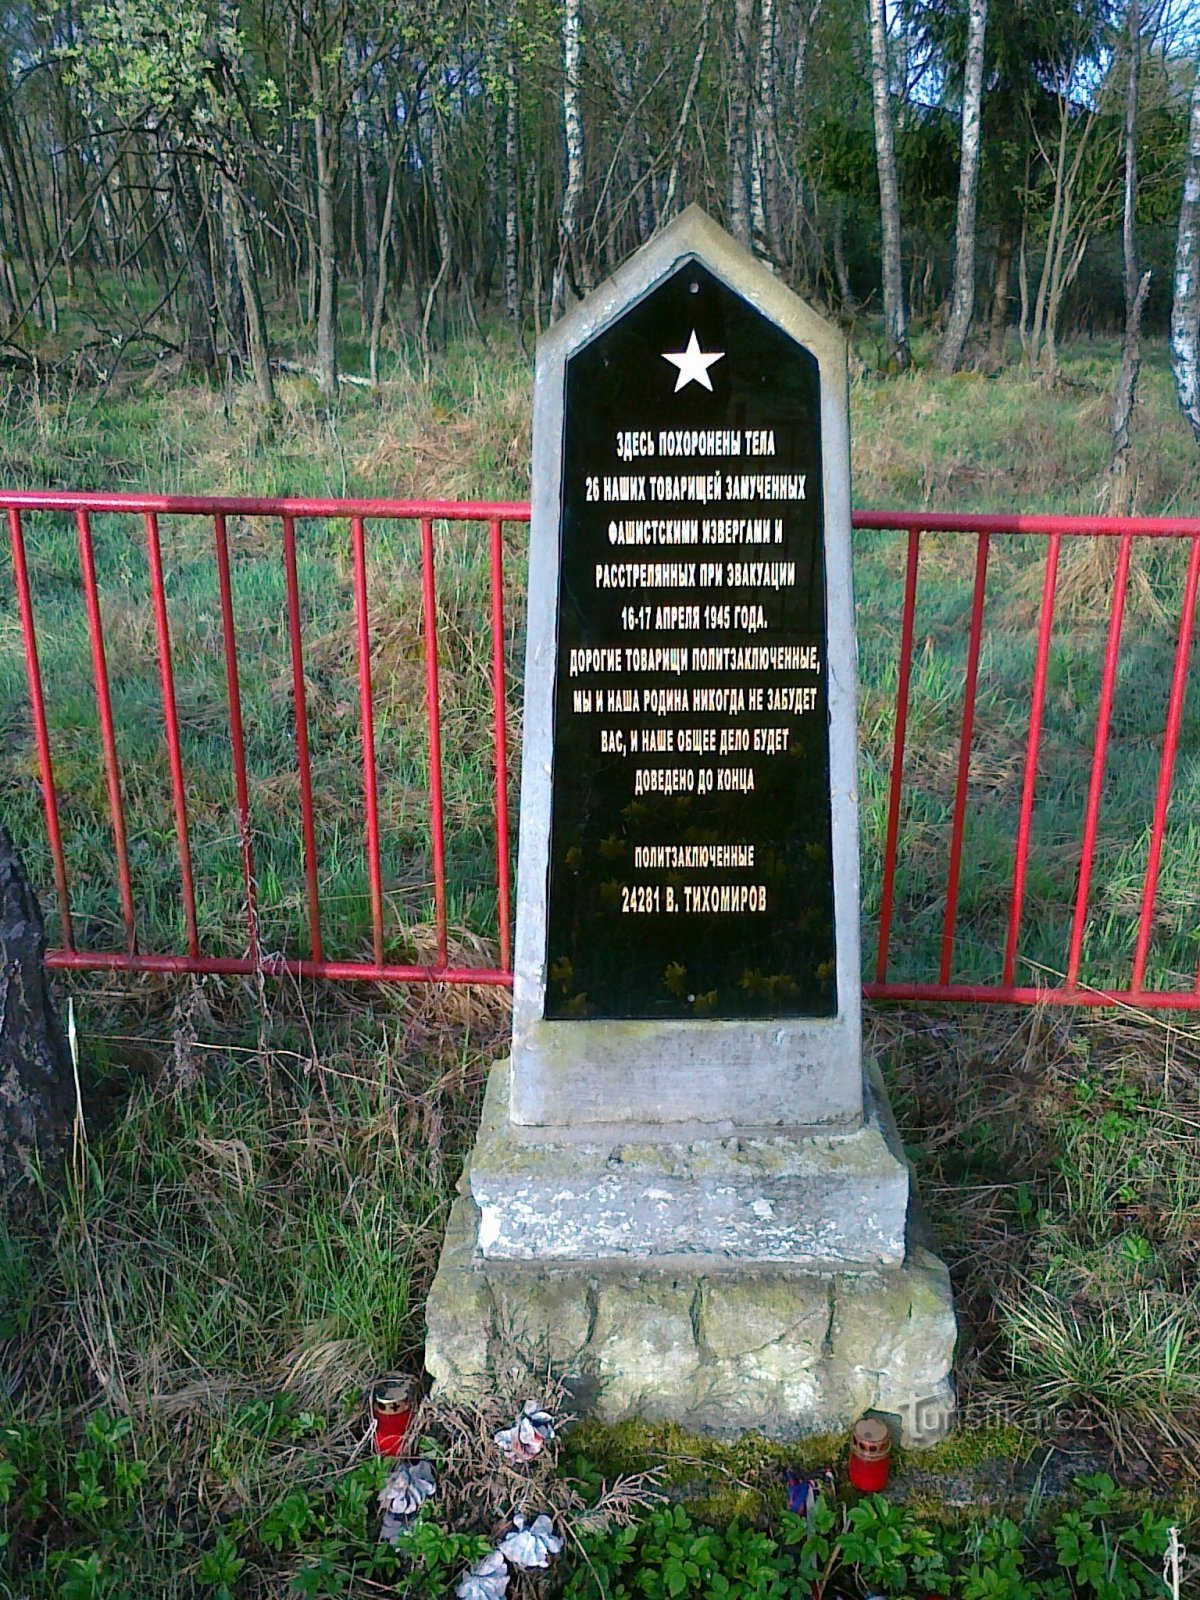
[[1136, 285], [512, 145], [894, 316], [1185, 306], [764, 182], [962, 302], [740, 133], [568, 227]]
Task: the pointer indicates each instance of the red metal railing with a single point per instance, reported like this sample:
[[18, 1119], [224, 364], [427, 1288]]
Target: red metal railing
[[285, 513], [1070, 991], [1065, 988]]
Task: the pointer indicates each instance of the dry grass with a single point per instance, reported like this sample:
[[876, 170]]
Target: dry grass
[[1059, 1156]]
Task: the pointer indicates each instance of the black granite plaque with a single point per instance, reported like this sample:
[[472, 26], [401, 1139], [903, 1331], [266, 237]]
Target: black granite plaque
[[690, 862]]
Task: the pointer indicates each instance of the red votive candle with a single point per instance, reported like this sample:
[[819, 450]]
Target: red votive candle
[[870, 1455], [393, 1401]]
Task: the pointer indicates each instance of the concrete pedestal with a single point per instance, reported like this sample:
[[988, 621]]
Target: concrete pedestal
[[772, 1284]]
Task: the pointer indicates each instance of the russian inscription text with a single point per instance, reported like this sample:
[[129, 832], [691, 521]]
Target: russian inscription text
[[690, 870]]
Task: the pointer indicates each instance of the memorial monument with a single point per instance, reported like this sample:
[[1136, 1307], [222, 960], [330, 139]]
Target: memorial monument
[[687, 1192]]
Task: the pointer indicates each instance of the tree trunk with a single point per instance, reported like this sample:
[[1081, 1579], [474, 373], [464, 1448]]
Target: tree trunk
[[1135, 289], [1120, 488], [1128, 216], [846, 293], [441, 216], [804, 21], [962, 302], [37, 1097], [365, 141], [1185, 308], [512, 206], [326, 143], [202, 336], [685, 112], [764, 188], [568, 228], [739, 122], [256, 322], [634, 140], [998, 329], [381, 266], [894, 316]]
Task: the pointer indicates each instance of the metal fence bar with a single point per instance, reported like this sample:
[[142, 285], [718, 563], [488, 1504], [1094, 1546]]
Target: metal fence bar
[[166, 677], [41, 731], [303, 761], [108, 737], [964, 758], [1031, 995], [500, 736], [1099, 754], [271, 966], [207, 505], [1037, 704], [904, 678], [236, 734], [433, 708], [367, 714], [1166, 771]]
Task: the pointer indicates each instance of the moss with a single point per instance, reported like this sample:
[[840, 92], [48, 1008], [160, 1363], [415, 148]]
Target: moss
[[971, 1447], [716, 1479]]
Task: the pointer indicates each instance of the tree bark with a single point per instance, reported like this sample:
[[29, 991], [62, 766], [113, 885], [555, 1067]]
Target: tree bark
[[1120, 489], [1185, 307], [634, 140], [894, 315], [193, 230], [365, 141], [435, 155], [998, 329], [325, 140], [568, 228], [739, 122], [256, 324], [685, 112], [37, 1096], [512, 211], [381, 267], [1135, 289], [962, 301], [764, 187], [841, 273]]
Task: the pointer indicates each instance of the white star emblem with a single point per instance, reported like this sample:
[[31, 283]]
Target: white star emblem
[[693, 364]]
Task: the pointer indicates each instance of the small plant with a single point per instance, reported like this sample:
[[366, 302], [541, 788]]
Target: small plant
[[221, 1567], [880, 1548]]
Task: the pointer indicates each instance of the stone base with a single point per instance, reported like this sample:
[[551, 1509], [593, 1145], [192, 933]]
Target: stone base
[[819, 1200], [722, 1349]]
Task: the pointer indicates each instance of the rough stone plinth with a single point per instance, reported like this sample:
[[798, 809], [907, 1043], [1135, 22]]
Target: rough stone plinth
[[720, 1349], [818, 1200]]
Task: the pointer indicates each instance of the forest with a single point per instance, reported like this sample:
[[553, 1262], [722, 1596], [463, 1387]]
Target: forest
[[190, 179]]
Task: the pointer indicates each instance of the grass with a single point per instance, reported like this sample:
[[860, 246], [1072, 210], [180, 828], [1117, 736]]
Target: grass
[[230, 1264], [246, 1237]]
